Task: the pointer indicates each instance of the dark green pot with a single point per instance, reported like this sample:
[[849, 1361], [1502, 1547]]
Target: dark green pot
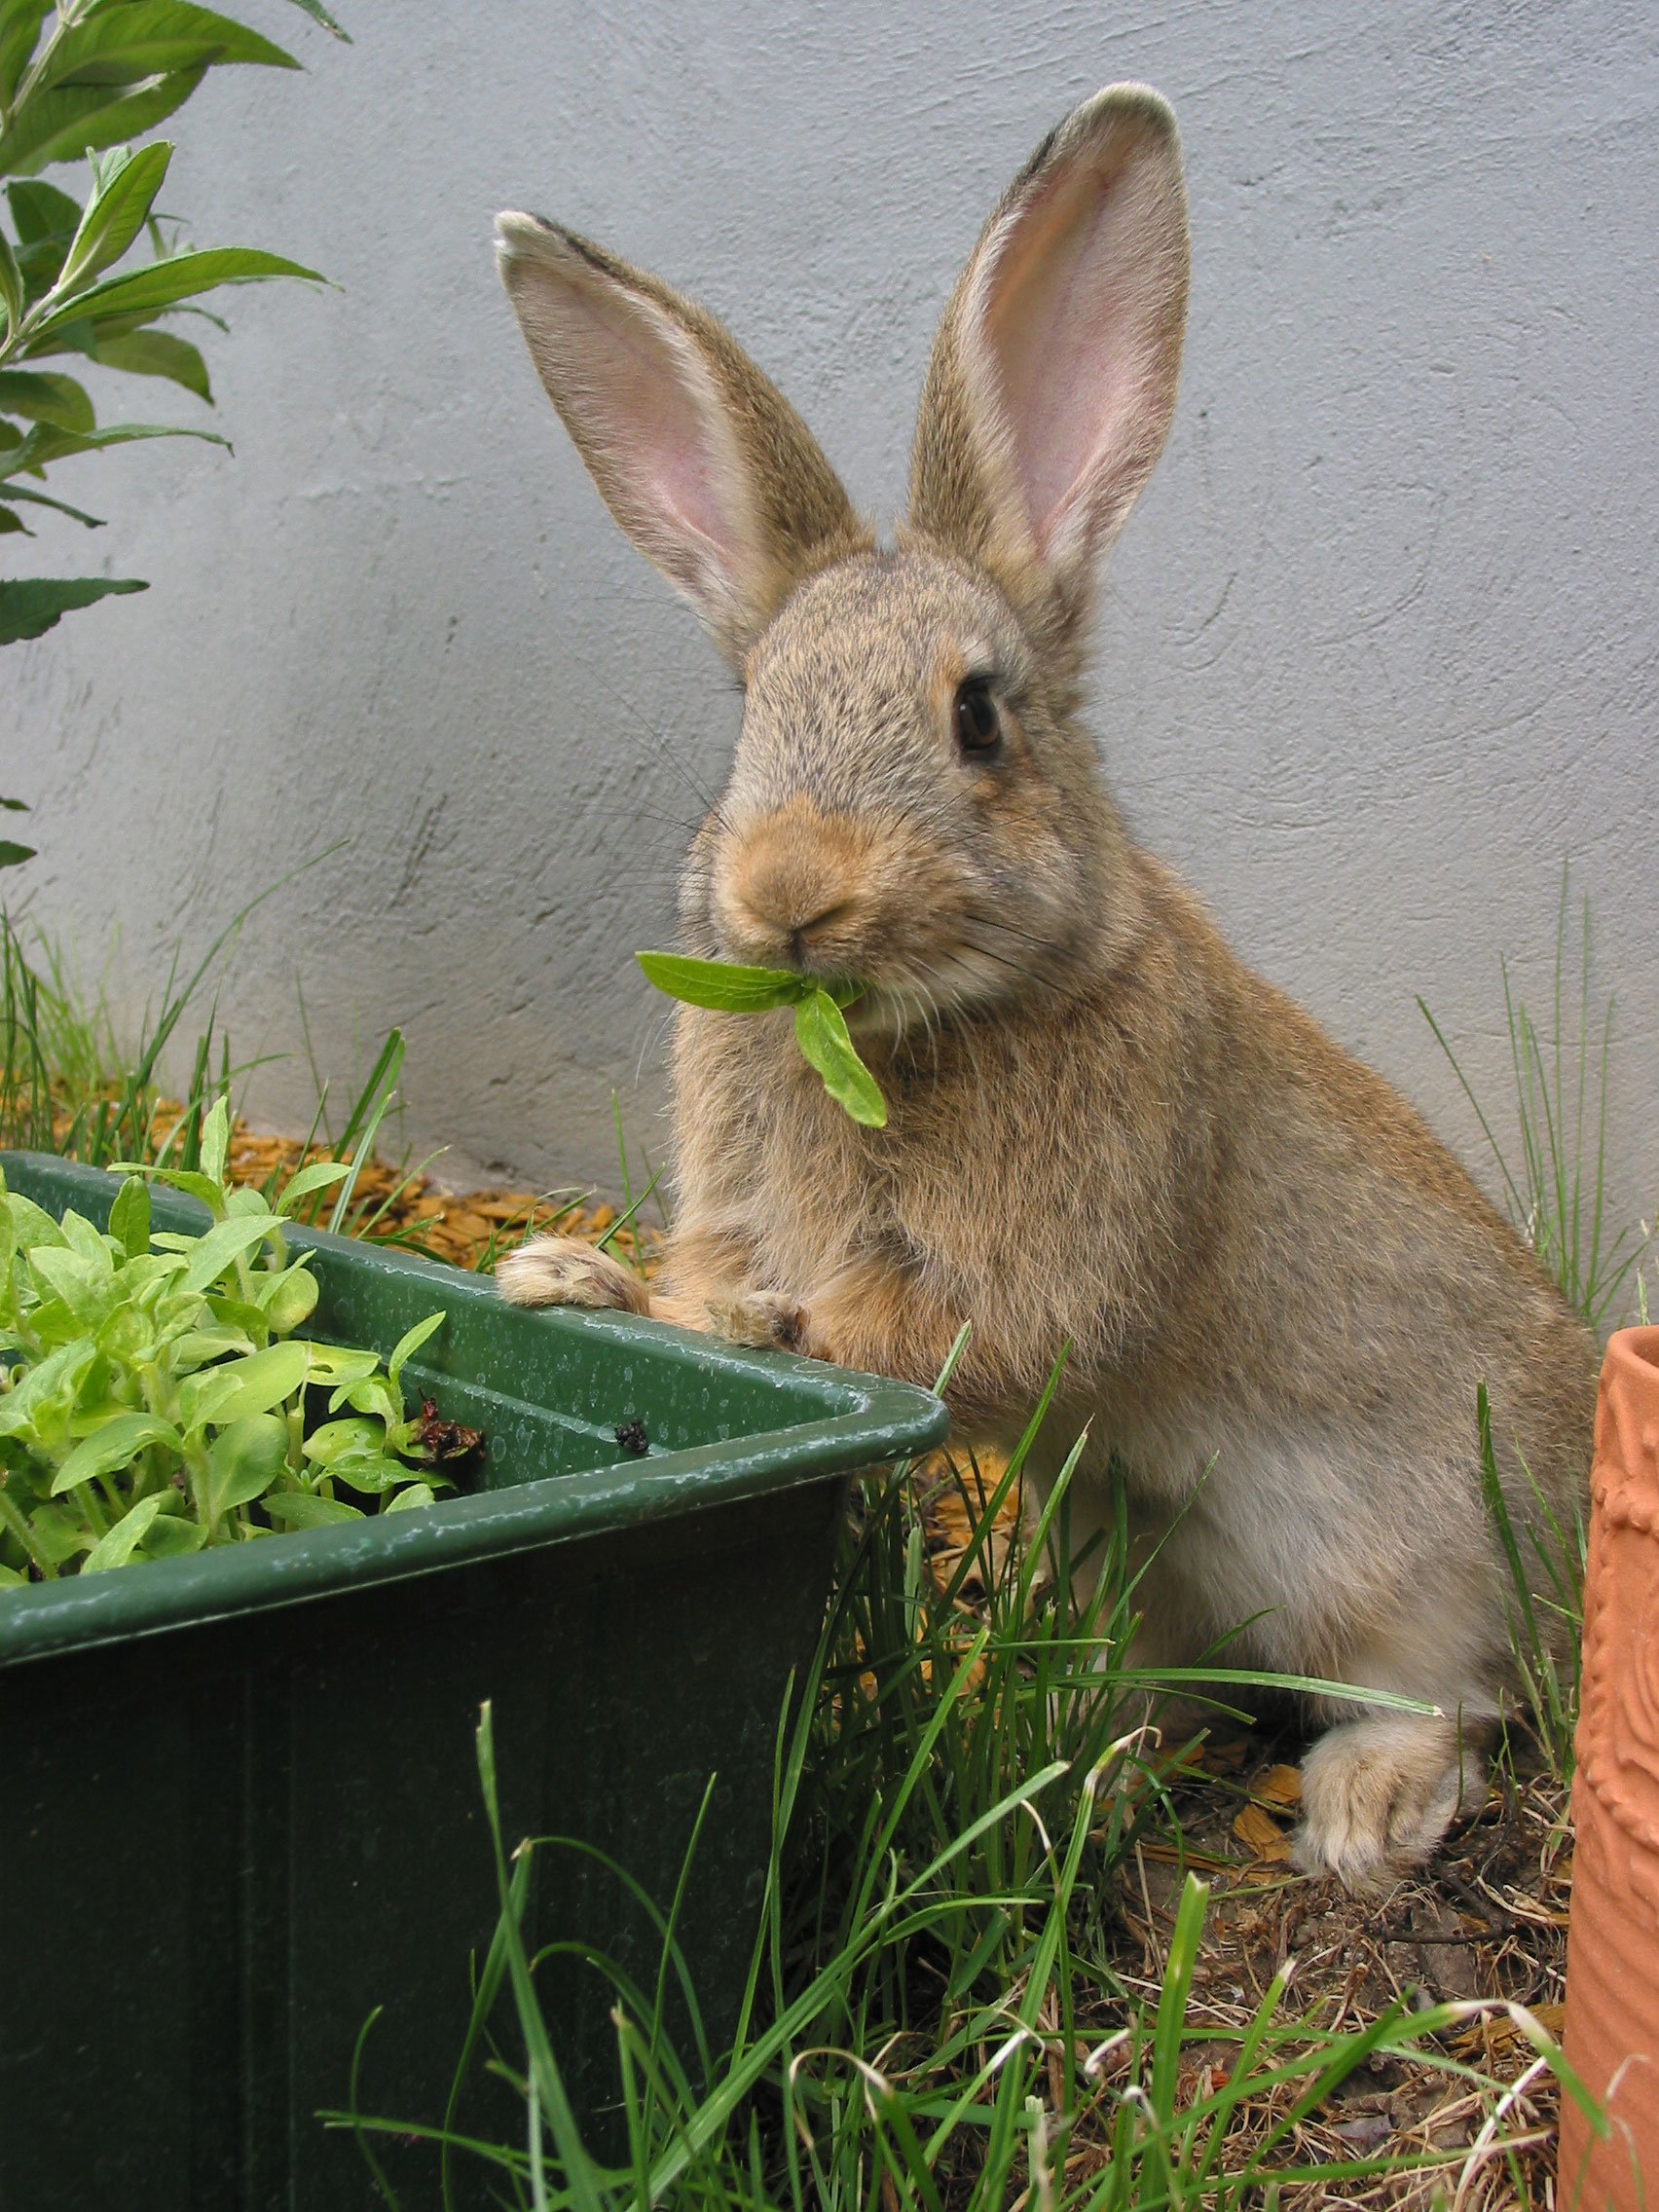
[[238, 1798]]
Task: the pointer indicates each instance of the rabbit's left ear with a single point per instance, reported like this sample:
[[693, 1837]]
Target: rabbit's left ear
[[698, 456], [1051, 383]]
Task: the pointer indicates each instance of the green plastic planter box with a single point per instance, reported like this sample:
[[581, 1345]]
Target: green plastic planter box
[[238, 1798]]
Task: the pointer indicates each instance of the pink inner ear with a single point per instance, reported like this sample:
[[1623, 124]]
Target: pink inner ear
[[654, 423], [1078, 323]]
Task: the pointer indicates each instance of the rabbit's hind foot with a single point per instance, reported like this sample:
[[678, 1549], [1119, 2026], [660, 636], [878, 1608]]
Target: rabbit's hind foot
[[1378, 1795]]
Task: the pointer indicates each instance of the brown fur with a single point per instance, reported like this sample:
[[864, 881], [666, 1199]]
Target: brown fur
[[1279, 1290]]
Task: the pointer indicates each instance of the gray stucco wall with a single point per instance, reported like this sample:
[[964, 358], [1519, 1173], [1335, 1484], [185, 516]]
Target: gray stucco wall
[[1378, 653]]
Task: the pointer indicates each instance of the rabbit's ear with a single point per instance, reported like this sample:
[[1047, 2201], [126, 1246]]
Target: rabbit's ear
[[1053, 378], [700, 459]]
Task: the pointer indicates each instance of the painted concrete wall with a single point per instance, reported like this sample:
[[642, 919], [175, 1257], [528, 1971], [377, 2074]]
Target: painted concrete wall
[[1379, 649]]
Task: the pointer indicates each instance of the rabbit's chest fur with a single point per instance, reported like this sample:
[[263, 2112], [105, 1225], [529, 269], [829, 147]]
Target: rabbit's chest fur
[[1274, 1284]]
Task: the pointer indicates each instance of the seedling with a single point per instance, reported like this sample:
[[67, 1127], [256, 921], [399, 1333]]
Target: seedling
[[153, 1391], [821, 1028]]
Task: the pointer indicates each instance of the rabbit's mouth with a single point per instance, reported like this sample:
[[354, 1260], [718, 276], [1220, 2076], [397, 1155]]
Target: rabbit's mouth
[[928, 994]]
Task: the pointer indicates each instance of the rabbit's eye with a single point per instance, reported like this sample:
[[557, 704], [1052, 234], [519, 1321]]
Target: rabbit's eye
[[979, 726]]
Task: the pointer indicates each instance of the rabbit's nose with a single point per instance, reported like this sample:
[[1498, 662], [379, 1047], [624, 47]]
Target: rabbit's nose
[[790, 883], [795, 916]]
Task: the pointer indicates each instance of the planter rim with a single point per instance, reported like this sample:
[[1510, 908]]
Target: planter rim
[[1634, 1351], [861, 1419]]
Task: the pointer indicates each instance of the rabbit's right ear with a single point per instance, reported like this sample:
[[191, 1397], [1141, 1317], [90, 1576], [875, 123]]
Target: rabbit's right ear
[[698, 456], [1051, 382]]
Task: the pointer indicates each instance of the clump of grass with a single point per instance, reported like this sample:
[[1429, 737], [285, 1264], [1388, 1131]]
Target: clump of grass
[[1545, 1602], [933, 2016], [67, 1085], [1555, 1186]]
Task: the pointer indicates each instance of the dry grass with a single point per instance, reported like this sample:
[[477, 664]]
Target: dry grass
[[1487, 1921]]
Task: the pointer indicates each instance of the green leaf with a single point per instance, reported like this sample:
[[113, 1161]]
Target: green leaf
[[372, 1396], [409, 1344], [41, 211], [46, 444], [42, 395], [290, 1300], [170, 1535], [123, 1540], [10, 284], [318, 13], [156, 354], [59, 506], [417, 1494], [59, 1531], [300, 1510], [320, 1175], [179, 276], [115, 215], [33, 1224], [13, 855], [245, 1387], [149, 38], [19, 30], [185, 1179], [722, 986], [81, 1235], [30, 609], [220, 1247], [244, 1460], [40, 1406], [821, 1032], [216, 1140], [112, 1447], [129, 1216], [202, 1344], [334, 1438], [371, 1472], [339, 1363], [78, 1280], [72, 121]]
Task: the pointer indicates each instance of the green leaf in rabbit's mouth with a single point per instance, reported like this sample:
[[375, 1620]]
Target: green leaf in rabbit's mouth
[[821, 1030]]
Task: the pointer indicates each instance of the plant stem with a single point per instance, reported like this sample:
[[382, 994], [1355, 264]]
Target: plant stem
[[24, 1534]]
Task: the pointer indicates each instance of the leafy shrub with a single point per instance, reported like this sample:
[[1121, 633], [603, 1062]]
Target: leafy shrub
[[76, 82]]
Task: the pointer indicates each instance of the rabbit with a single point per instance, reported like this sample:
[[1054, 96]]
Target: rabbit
[[1278, 1290]]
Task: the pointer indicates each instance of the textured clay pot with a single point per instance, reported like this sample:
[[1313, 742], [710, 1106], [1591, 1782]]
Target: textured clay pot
[[1612, 2035]]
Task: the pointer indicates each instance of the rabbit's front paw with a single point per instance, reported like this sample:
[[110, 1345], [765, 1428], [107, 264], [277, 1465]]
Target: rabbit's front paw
[[765, 1319], [563, 1271], [1378, 1795]]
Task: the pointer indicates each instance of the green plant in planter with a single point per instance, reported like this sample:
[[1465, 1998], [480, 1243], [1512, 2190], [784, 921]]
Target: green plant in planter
[[154, 1394], [79, 80], [821, 1028]]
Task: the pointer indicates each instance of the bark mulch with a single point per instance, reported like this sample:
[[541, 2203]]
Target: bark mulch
[[391, 1206]]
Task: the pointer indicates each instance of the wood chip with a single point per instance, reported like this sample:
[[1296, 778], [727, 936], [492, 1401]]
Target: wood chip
[[1261, 1834], [1279, 1788]]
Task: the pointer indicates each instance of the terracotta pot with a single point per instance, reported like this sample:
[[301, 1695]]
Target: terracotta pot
[[1612, 2035]]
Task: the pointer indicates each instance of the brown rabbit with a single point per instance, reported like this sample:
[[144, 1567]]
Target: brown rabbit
[[1281, 1292]]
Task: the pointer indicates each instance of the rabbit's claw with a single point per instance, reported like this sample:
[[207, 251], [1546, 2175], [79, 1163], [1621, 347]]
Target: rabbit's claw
[[765, 1319]]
